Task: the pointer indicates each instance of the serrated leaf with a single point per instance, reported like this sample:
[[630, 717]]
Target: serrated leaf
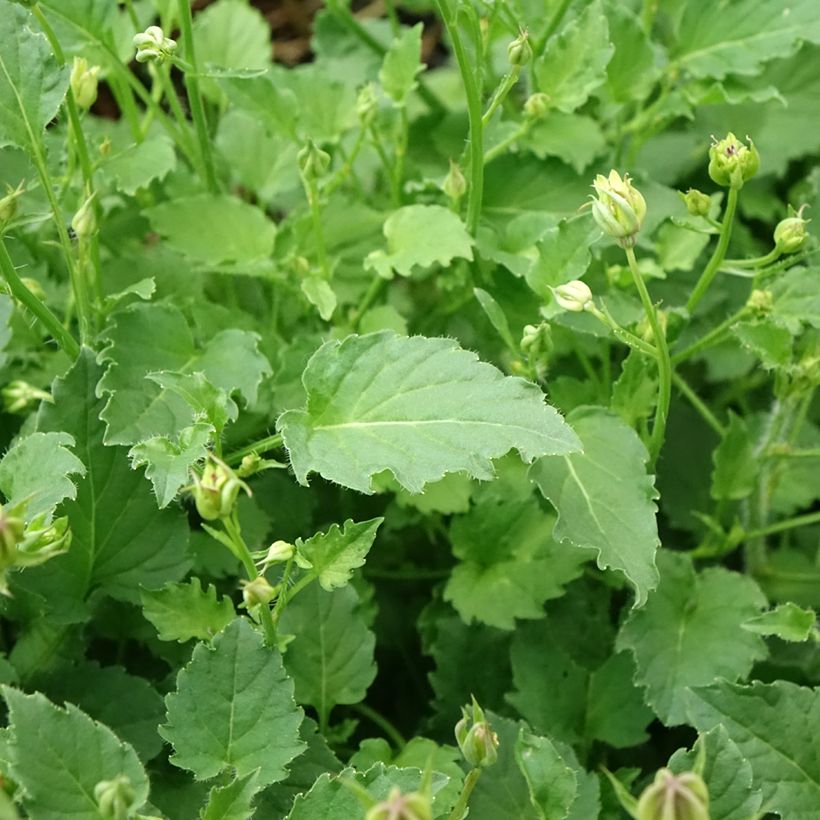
[[57, 757], [184, 611], [691, 632], [233, 709], [371, 398], [32, 84], [574, 63], [736, 464], [419, 236], [738, 37], [574, 138], [231, 34], [608, 510], [797, 299], [37, 470], [402, 63], [231, 802], [788, 622], [331, 661], [771, 343], [563, 255], [551, 782], [775, 726], [139, 165], [333, 555], [631, 72]]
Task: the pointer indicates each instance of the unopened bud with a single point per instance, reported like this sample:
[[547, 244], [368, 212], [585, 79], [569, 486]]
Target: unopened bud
[[519, 50], [760, 301], [256, 592], [8, 204], [537, 105], [645, 327], [366, 104], [216, 490], [574, 296], [674, 797], [152, 44], [398, 806], [619, 208], [697, 203], [105, 147], [18, 396], [791, 235], [278, 552], [84, 223], [732, 162], [115, 798], [313, 161], [43, 540], [84, 82], [475, 737], [454, 185]]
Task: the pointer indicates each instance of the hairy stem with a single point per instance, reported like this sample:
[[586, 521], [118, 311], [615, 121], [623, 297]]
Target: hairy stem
[[460, 807]]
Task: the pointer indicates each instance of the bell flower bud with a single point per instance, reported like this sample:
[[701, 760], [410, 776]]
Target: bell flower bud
[[537, 105], [84, 223], [674, 797], [256, 592], [697, 203], [398, 806], [454, 185], [519, 50], [115, 798], [8, 204], [574, 296], [278, 552], [619, 209], [791, 235], [18, 396], [216, 490], [152, 44], [731, 162], [313, 161], [475, 737], [84, 82]]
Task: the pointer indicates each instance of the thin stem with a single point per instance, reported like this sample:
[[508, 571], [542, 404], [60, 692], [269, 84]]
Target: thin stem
[[39, 309], [390, 731], [787, 524], [664, 362], [504, 88], [808, 453], [472, 90], [163, 73], [469, 784], [720, 252], [372, 292], [312, 192], [756, 262], [621, 333], [711, 338], [195, 96], [261, 446], [706, 414], [497, 150], [555, 21]]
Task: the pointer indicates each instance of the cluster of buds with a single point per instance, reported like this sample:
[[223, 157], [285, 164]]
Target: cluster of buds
[[475, 737], [84, 82], [115, 798], [791, 235], [8, 204], [398, 806], [153, 46], [618, 207], [732, 162], [674, 797], [216, 490], [18, 396], [574, 296]]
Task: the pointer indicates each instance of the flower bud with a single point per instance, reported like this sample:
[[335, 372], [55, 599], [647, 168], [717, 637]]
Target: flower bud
[[115, 797], [644, 328], [250, 465], [475, 737], [152, 44], [697, 203], [398, 806], [760, 301], [791, 235], [216, 490], [619, 209], [574, 296], [367, 104], [537, 105], [256, 592], [731, 162], [105, 147], [8, 204], [84, 223], [313, 161], [84, 82], [454, 185], [18, 396], [674, 797], [278, 552], [12, 529], [519, 50], [43, 540]]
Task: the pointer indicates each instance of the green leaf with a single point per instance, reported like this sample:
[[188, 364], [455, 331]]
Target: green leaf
[[233, 709], [420, 236], [604, 497], [574, 63], [736, 464], [691, 632], [333, 555], [788, 622], [771, 343], [631, 72], [231, 802], [232, 34], [563, 255], [214, 230], [498, 319], [138, 166], [775, 726], [797, 299], [739, 37], [372, 398], [320, 294], [32, 84], [120, 539], [331, 661], [551, 782], [37, 470], [574, 138], [57, 757], [186, 610], [402, 63]]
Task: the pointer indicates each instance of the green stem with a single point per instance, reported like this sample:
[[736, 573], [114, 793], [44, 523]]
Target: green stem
[[720, 252], [312, 192], [163, 73], [39, 309], [497, 150], [757, 262], [346, 169], [664, 362], [555, 21], [195, 96], [706, 414], [390, 731], [372, 292], [472, 90], [259, 447], [808, 453], [460, 807], [711, 338], [787, 524], [621, 333], [506, 85]]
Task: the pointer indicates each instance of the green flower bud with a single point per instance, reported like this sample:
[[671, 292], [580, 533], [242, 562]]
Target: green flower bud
[[8, 204], [537, 105], [574, 296], [454, 185], [731, 162], [791, 235], [84, 82], [12, 530], [519, 50], [84, 223], [697, 203], [278, 552], [398, 806], [152, 44], [674, 797], [18, 396], [257, 592], [475, 737], [105, 147], [645, 328], [313, 161], [367, 104], [43, 540], [619, 209], [760, 301], [216, 490], [115, 797]]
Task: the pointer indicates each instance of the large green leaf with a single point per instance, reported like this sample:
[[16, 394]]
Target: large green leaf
[[32, 84], [691, 632], [604, 497], [401, 64], [776, 727], [57, 757], [234, 710], [373, 399]]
